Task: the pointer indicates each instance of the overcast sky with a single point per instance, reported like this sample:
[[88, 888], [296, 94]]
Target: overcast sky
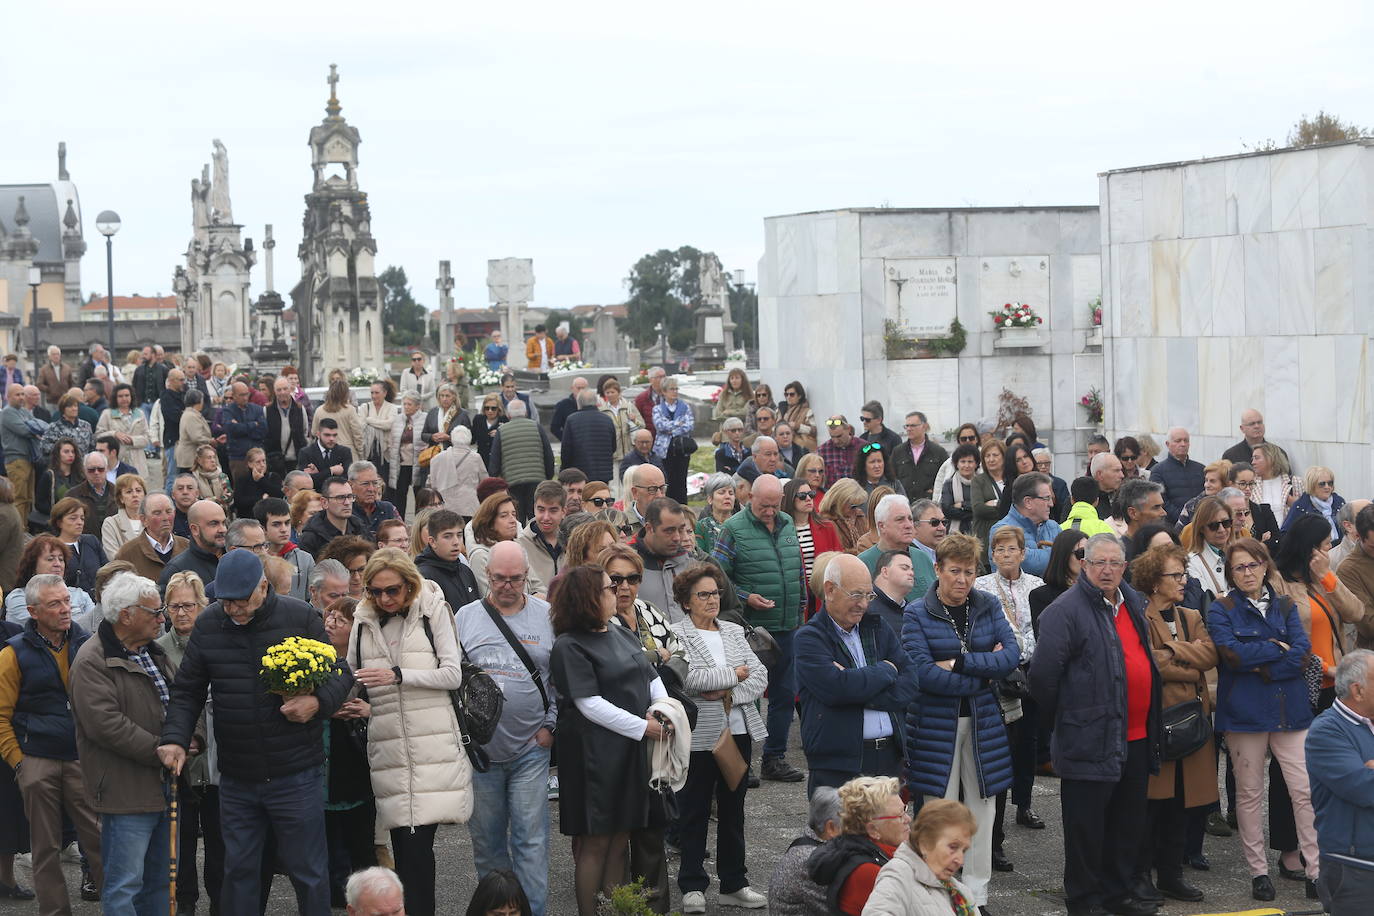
[[585, 135]]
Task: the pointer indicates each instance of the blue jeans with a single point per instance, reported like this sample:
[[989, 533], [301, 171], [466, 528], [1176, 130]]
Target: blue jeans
[[1345, 889], [294, 807], [136, 851], [782, 694], [512, 798], [169, 466]]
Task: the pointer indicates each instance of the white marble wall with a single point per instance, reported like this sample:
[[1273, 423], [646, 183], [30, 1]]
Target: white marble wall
[[823, 300], [1244, 282]]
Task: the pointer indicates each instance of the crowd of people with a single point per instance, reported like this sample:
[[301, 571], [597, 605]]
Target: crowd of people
[[946, 626]]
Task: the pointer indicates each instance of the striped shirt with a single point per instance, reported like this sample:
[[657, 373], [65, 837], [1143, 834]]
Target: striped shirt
[[808, 549]]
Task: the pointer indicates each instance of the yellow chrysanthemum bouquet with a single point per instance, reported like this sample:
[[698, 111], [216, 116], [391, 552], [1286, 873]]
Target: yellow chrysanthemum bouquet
[[296, 666]]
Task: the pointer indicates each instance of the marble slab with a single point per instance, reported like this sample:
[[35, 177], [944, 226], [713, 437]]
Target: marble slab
[[1296, 281], [1181, 379], [1342, 185], [1195, 286], [824, 236], [1164, 282], [1333, 254], [1281, 372], [1248, 197], [1162, 191], [1021, 278], [1261, 284], [1122, 397], [1086, 273], [1125, 207], [927, 385], [1131, 290], [921, 294], [1214, 372], [1248, 382], [1293, 183], [1204, 199], [1228, 285], [1351, 392], [906, 235], [1317, 364]]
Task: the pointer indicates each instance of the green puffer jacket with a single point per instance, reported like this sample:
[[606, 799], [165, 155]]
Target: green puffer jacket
[[766, 563], [521, 453]]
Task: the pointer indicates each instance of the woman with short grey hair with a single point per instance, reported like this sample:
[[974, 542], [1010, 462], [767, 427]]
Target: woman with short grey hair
[[791, 892], [720, 505], [404, 446]]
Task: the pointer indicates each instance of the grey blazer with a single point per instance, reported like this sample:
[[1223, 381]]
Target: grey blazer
[[705, 675]]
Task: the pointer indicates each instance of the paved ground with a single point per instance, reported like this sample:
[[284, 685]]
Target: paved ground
[[776, 813]]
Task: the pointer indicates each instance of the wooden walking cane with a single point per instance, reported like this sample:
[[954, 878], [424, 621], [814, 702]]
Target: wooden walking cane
[[173, 825]]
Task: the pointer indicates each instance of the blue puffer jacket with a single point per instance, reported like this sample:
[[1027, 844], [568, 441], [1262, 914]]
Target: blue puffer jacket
[[1078, 677], [1260, 686], [1305, 506], [928, 635]]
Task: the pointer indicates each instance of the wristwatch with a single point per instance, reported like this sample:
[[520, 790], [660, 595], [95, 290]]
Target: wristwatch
[[396, 671]]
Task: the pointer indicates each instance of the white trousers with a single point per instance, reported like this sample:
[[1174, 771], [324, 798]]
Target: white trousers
[[963, 773]]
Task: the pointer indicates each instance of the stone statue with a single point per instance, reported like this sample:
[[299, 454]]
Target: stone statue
[[709, 279], [200, 210], [219, 191]]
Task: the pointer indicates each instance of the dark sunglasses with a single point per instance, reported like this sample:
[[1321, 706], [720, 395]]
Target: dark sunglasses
[[1219, 525], [1080, 553], [867, 419], [933, 522], [805, 494], [391, 591], [601, 501], [485, 409], [633, 579], [968, 440], [1126, 457], [870, 447]]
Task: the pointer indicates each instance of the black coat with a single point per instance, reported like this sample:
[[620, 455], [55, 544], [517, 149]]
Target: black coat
[[173, 405], [312, 454], [589, 443], [86, 562], [319, 531], [248, 491], [255, 741], [482, 437], [194, 559], [561, 411], [917, 478], [456, 579], [272, 444], [461, 418]]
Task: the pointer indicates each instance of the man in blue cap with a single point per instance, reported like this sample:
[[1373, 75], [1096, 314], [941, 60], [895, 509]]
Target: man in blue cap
[[270, 747]]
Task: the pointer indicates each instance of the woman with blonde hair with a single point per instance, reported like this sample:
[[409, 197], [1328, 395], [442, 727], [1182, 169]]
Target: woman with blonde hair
[[213, 483], [338, 406], [623, 413], [484, 427], [1275, 485], [920, 879], [870, 534], [845, 504], [811, 468], [127, 523], [988, 486], [1215, 477], [404, 646], [874, 822], [304, 505], [1205, 540], [1319, 498]]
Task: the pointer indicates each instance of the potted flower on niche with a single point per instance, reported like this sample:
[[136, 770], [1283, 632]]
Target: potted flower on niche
[[1092, 403], [1017, 326], [1093, 338]]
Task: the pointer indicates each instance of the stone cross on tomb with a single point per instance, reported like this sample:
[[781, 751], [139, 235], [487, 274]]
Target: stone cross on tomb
[[268, 243], [444, 284], [510, 282]]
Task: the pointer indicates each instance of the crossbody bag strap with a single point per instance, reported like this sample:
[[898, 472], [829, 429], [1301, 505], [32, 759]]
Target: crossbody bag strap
[[524, 656]]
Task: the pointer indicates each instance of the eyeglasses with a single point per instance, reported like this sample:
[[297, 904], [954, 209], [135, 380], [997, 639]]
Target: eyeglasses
[[632, 579], [506, 580], [356, 570], [856, 507], [862, 597], [1326, 483], [805, 494], [654, 489], [836, 421], [180, 607], [1177, 577], [904, 816], [791, 394], [713, 594], [601, 501], [390, 591], [343, 497], [1080, 553], [1126, 457], [368, 483], [968, 440], [1005, 551], [870, 447], [1107, 564], [1243, 513], [492, 409], [1220, 524], [1047, 498], [934, 522], [1246, 568], [256, 548], [153, 611]]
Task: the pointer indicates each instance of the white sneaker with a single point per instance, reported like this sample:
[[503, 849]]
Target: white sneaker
[[694, 902], [745, 897], [553, 785]]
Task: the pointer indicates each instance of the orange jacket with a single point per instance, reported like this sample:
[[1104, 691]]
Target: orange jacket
[[532, 351]]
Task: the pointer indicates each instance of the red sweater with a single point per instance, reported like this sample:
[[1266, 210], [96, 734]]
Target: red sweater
[[859, 885], [1139, 679]]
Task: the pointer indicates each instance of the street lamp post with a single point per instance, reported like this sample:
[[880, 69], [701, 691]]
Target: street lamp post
[[108, 224], [35, 281]]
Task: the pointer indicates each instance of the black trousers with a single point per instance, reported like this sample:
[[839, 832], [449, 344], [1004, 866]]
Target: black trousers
[[524, 500], [1166, 832], [877, 761], [694, 805], [413, 849], [349, 834], [401, 494], [197, 818], [675, 476], [1102, 831]]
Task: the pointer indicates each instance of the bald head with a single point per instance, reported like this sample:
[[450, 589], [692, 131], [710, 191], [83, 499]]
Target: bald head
[[1252, 426], [14, 395], [766, 499], [767, 486], [507, 559], [208, 528], [506, 571], [846, 577]]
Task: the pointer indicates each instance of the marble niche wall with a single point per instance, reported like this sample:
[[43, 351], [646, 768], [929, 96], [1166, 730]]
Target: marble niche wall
[[829, 281], [1244, 282]]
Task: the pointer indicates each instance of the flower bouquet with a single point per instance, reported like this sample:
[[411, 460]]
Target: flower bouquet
[[1092, 403], [1016, 315], [297, 665], [359, 377], [1096, 309]]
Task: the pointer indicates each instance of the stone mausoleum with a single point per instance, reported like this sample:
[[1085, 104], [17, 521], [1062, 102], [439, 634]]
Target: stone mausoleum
[[838, 288]]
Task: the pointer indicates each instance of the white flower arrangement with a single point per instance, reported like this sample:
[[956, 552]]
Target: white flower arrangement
[[358, 377], [737, 356]]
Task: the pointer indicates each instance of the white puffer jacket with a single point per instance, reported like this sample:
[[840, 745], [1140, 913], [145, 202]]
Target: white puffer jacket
[[907, 887], [420, 773]]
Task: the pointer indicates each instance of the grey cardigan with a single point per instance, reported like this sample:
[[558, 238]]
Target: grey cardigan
[[704, 675]]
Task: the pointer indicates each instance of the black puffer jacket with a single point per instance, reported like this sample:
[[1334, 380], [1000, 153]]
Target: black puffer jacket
[[256, 742], [589, 443], [835, 860], [456, 579]]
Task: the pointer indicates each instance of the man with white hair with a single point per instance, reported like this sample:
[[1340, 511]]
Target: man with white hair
[[791, 890], [375, 891], [650, 398], [758, 550], [854, 680], [567, 406], [897, 531], [1106, 469], [151, 549], [588, 438], [764, 458], [96, 491], [522, 455], [38, 737], [327, 583], [509, 635], [1340, 765], [55, 379], [120, 683], [1181, 477]]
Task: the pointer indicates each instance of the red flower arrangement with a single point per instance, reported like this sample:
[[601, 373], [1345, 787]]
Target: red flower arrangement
[[1016, 315]]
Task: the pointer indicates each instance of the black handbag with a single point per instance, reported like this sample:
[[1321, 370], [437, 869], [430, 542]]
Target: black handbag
[[1187, 727], [763, 645], [681, 446], [1014, 686], [477, 703]]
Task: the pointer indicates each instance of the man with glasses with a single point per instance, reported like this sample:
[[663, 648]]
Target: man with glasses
[[764, 459], [368, 505], [150, 550], [38, 738], [897, 531], [758, 550], [931, 526], [839, 450], [1181, 477], [646, 483], [1044, 463], [418, 380], [96, 492], [201, 556], [917, 461], [120, 684], [335, 521], [1032, 501], [270, 749], [1094, 675], [1252, 432], [871, 416], [855, 682], [765, 419], [641, 452], [509, 635]]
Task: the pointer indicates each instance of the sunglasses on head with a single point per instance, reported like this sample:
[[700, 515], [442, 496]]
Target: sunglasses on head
[[835, 421], [870, 447]]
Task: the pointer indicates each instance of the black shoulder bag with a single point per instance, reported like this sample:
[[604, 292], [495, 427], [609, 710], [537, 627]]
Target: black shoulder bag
[[477, 703], [1186, 726]]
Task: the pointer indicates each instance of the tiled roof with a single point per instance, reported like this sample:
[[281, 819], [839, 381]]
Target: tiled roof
[[100, 303]]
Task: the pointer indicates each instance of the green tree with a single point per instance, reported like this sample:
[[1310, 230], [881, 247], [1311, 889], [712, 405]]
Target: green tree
[[402, 317], [1322, 128], [665, 287]]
